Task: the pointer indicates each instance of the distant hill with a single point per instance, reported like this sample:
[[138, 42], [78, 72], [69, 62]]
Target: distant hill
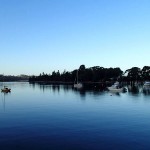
[[13, 78]]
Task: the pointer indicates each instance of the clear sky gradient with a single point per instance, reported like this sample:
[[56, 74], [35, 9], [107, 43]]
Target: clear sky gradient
[[44, 35]]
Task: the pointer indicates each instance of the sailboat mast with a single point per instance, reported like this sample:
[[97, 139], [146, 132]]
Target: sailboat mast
[[3, 80], [77, 76]]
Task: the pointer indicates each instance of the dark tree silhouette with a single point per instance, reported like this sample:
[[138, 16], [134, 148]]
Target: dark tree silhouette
[[96, 74], [146, 73], [134, 74]]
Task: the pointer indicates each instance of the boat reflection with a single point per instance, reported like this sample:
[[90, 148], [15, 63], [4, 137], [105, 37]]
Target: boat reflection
[[114, 93], [3, 96]]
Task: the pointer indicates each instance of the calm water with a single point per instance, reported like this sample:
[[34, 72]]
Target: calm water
[[46, 117]]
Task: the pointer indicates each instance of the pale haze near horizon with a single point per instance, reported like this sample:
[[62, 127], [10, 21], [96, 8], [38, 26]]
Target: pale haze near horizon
[[41, 36]]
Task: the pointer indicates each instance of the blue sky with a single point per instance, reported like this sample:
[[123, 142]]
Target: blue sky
[[44, 35]]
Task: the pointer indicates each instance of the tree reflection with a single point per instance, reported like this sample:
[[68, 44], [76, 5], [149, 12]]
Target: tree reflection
[[146, 91], [55, 88], [133, 89], [89, 89]]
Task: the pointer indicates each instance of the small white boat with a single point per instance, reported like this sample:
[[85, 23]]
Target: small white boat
[[78, 85], [116, 87], [5, 89], [146, 85]]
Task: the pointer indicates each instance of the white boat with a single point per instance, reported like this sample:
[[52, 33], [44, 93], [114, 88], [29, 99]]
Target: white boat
[[116, 87], [77, 84], [146, 85]]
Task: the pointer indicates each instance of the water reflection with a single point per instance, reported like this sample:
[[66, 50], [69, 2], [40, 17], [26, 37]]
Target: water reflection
[[146, 91], [57, 88], [114, 93], [134, 90], [3, 98]]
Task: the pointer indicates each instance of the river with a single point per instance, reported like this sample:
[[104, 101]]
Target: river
[[57, 117]]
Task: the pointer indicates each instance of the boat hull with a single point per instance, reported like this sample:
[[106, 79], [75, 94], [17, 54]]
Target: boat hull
[[115, 89], [6, 90], [79, 85]]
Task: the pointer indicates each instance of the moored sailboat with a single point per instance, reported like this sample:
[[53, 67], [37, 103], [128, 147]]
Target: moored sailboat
[[77, 84]]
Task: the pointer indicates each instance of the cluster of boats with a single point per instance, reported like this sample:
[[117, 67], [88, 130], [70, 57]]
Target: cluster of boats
[[116, 87]]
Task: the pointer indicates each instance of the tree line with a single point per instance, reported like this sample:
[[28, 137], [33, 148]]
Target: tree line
[[96, 74]]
